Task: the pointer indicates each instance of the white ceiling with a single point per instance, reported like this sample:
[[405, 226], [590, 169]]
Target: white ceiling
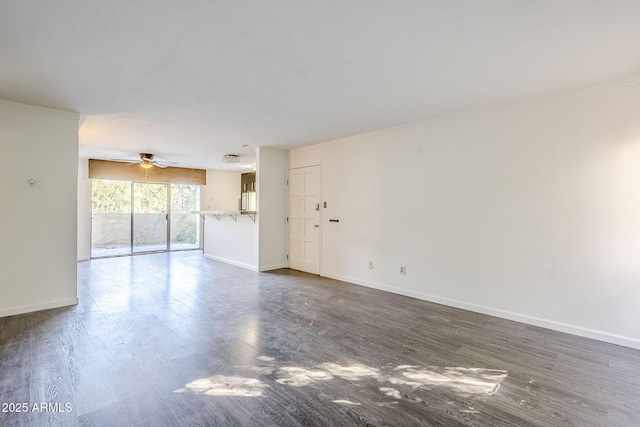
[[193, 80]]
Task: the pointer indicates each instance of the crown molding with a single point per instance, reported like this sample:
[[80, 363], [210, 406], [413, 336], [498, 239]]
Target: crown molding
[[39, 110]]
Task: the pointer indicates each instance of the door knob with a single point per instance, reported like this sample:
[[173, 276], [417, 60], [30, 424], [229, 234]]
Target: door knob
[[316, 225]]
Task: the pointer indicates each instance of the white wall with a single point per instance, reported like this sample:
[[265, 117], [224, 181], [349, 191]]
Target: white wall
[[259, 245], [233, 242], [84, 211], [529, 212], [272, 166], [222, 192], [225, 240], [38, 233]]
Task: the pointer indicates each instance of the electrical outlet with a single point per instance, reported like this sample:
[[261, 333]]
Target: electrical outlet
[[403, 269], [371, 265]]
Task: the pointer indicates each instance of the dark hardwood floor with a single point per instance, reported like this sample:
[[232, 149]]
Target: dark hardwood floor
[[179, 340]]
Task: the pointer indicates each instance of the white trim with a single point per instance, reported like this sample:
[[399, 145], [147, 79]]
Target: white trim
[[38, 307], [232, 262], [302, 167], [274, 267], [517, 317], [41, 110]]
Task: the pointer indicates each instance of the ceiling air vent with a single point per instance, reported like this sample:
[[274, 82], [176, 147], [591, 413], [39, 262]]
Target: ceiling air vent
[[230, 158]]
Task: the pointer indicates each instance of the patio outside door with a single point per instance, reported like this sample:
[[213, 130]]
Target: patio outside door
[[150, 217], [136, 217]]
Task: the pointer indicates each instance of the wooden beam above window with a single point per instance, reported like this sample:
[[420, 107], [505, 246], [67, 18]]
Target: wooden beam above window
[[105, 169]]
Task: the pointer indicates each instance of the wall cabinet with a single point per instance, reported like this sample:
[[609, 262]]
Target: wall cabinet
[[248, 182]]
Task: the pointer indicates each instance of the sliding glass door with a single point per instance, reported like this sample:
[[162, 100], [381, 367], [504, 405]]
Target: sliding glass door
[[185, 226], [110, 218], [135, 217], [150, 217]]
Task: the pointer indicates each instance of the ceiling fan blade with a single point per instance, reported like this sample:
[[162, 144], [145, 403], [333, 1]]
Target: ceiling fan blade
[[126, 160], [161, 164], [165, 162]]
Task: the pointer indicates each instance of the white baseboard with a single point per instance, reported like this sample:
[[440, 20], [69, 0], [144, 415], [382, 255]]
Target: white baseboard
[[232, 262], [11, 311], [504, 314], [274, 267]]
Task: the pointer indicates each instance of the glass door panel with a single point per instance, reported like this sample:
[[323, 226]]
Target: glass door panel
[[110, 218], [150, 217], [185, 226]]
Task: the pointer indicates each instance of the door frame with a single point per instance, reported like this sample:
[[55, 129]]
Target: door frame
[[320, 231]]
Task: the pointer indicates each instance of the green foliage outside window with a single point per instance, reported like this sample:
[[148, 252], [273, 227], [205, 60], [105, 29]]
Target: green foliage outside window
[[115, 197], [184, 200], [110, 196]]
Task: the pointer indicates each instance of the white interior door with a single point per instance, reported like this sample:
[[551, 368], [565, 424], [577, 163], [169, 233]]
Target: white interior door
[[304, 219]]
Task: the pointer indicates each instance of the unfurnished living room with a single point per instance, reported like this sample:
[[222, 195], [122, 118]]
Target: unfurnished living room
[[320, 213]]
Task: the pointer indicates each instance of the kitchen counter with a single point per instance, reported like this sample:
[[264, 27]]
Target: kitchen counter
[[232, 214], [229, 239]]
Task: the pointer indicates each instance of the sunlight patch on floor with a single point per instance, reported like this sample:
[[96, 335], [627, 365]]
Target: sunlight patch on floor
[[467, 381], [266, 359], [299, 377], [220, 385], [397, 384], [353, 372], [391, 392], [346, 402]]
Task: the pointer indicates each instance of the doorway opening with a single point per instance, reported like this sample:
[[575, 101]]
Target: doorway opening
[[138, 217]]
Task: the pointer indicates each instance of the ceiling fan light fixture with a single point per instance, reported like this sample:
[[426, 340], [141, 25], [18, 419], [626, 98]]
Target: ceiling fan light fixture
[[146, 161], [230, 158]]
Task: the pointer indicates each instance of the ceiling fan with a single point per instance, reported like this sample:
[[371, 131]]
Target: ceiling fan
[[146, 161]]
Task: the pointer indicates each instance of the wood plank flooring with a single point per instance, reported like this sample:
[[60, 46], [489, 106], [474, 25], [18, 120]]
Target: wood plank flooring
[[179, 340]]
